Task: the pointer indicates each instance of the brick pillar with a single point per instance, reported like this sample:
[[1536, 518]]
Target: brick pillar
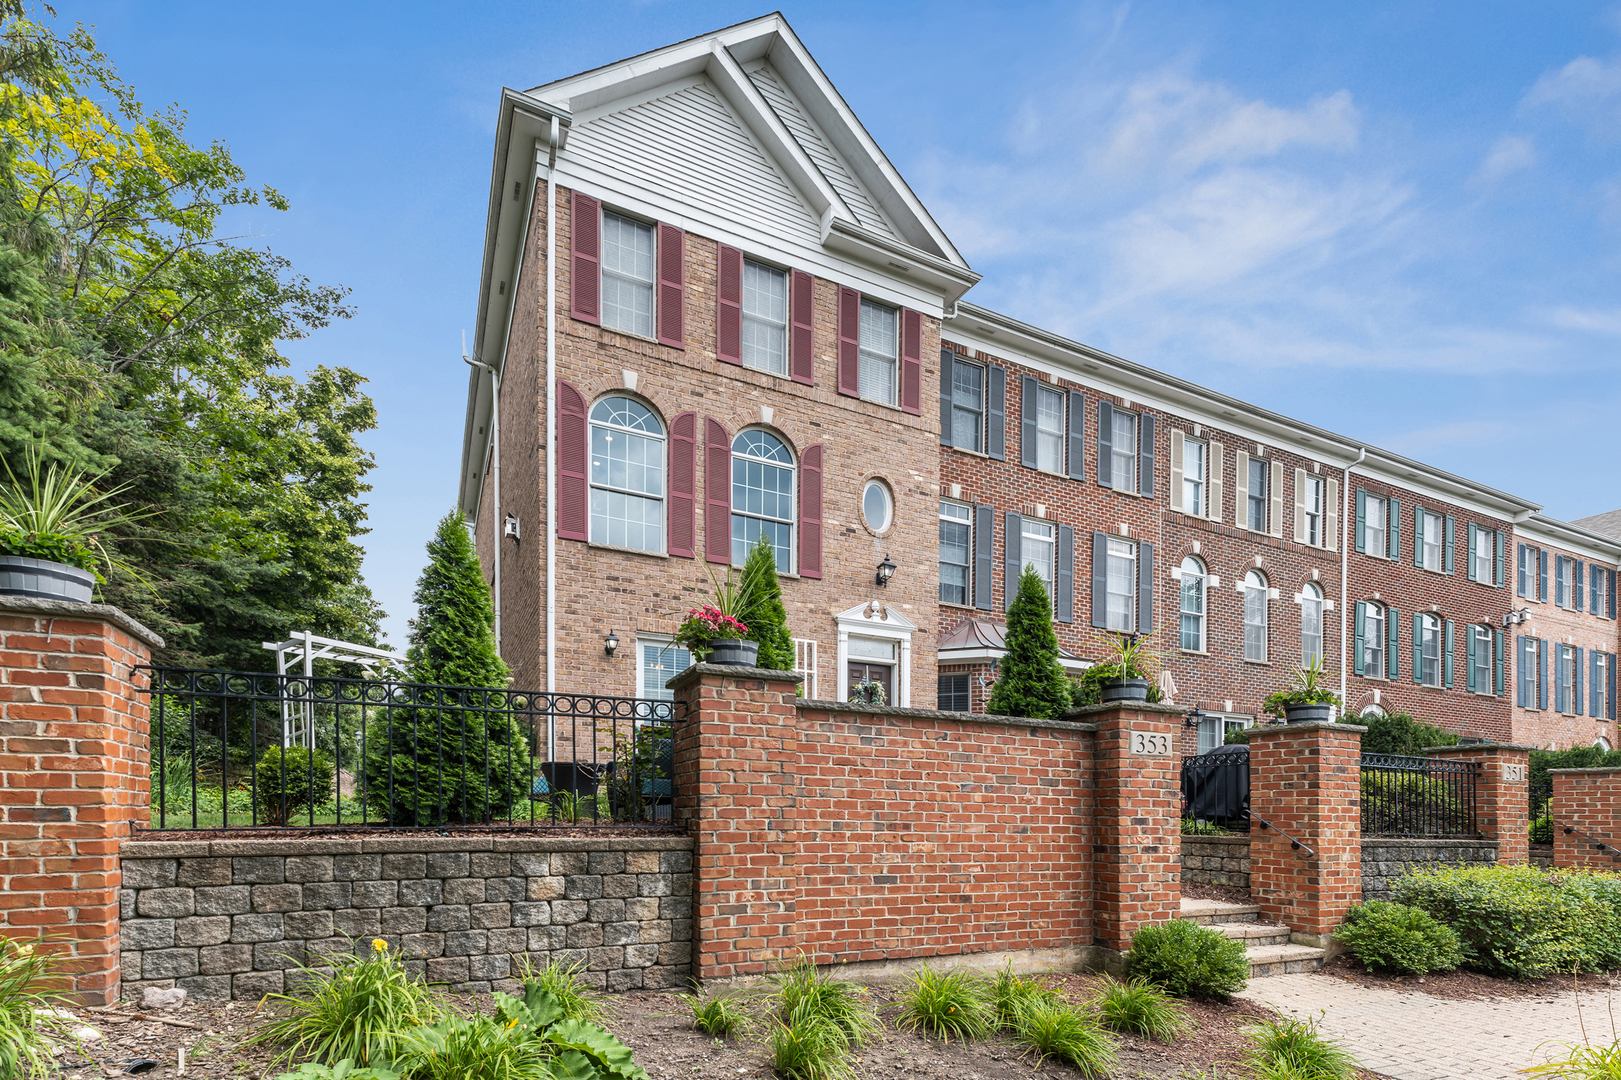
[[735, 751], [1305, 780], [1587, 802], [75, 776], [1136, 821], [1502, 795]]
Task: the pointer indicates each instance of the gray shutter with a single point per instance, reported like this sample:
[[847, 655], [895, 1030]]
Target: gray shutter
[[984, 527], [1105, 444], [1576, 680], [1609, 593], [1469, 556], [1595, 587], [1027, 423], [1499, 686], [1077, 435], [1522, 570], [1576, 584], [1468, 659], [1064, 574], [947, 358], [1012, 557], [1361, 519], [1145, 587], [1446, 657], [1393, 530], [1357, 641], [1501, 559], [1418, 535], [1392, 643], [1145, 455], [1542, 673], [1542, 575], [1100, 579], [996, 414], [1447, 535]]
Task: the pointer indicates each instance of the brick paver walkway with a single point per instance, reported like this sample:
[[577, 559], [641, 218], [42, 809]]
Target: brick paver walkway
[[1409, 1036]]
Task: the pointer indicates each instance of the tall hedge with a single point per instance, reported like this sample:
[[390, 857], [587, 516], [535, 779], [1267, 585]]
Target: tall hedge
[[1030, 682], [451, 765]]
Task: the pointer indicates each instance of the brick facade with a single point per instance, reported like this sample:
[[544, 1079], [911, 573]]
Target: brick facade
[[1502, 795]]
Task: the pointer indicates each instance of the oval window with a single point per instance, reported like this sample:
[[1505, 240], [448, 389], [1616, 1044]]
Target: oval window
[[877, 506]]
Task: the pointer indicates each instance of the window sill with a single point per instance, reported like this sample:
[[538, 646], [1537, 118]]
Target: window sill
[[627, 550], [1258, 663], [961, 607], [1106, 487], [965, 450], [632, 335], [881, 404], [1427, 686], [1194, 652]]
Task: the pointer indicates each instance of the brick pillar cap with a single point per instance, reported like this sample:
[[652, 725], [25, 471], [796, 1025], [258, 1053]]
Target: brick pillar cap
[[1121, 706], [1461, 747], [1310, 725], [731, 671], [69, 609], [1580, 772]]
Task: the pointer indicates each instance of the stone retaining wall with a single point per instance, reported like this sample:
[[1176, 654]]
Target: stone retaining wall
[[1216, 860], [1384, 859], [228, 919]]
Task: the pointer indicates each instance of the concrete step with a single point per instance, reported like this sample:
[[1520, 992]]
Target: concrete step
[[1255, 933], [1282, 959], [1217, 912]]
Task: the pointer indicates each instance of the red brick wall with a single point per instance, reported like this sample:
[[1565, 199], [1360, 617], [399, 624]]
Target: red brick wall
[[75, 775], [1502, 796], [1137, 823], [1589, 802]]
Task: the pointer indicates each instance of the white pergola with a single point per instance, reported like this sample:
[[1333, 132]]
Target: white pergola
[[298, 717]]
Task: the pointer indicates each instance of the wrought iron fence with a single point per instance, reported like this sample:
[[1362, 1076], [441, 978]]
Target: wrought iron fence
[[250, 750], [1419, 797], [1540, 817], [1216, 788]]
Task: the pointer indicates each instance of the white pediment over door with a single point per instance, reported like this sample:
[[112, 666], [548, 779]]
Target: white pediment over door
[[878, 621]]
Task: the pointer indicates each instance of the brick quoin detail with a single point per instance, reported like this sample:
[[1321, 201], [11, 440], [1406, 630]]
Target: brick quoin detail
[[1587, 801], [1502, 807], [74, 768], [1305, 779]]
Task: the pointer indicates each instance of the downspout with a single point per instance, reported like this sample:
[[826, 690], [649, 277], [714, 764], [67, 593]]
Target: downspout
[[1346, 524], [553, 138], [495, 474]]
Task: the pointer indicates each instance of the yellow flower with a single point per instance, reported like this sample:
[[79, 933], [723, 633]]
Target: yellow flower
[[379, 945]]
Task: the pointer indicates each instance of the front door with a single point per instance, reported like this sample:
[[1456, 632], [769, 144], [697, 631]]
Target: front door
[[861, 671]]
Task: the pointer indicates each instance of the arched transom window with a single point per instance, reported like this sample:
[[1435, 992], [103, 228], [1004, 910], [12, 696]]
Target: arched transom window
[[1311, 623], [1255, 616], [1193, 604], [627, 475], [762, 496]]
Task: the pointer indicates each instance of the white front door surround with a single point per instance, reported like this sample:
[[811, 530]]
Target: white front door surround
[[880, 622]]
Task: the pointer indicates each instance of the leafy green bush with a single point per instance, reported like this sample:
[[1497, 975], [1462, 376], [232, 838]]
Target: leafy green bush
[[1056, 1030], [1394, 937], [577, 1000], [1399, 733], [946, 1004], [1139, 1008], [289, 782], [1291, 1049], [1188, 960], [1521, 921]]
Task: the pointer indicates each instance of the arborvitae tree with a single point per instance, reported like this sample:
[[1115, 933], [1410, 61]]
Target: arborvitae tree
[[451, 765], [1030, 681], [765, 616]]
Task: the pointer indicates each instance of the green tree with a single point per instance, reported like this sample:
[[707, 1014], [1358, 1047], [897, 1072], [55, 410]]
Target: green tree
[[461, 764], [765, 616], [1030, 681], [1399, 733]]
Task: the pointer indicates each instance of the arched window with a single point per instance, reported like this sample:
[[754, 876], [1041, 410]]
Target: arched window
[[1193, 607], [762, 496], [1255, 616], [1372, 712], [627, 475], [1429, 650], [1311, 623]]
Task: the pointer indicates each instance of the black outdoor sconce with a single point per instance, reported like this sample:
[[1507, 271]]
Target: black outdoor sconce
[[886, 570], [1193, 718], [611, 642]]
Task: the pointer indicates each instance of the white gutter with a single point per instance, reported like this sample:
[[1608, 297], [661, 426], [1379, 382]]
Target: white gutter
[[1346, 525], [553, 138]]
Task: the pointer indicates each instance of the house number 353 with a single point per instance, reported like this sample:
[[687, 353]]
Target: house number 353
[[1150, 744]]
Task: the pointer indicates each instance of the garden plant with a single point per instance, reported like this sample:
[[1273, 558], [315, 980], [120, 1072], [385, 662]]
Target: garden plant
[[946, 1005], [1138, 1007], [1030, 682], [1394, 937], [1188, 960], [28, 1019], [1308, 685], [1292, 1049]]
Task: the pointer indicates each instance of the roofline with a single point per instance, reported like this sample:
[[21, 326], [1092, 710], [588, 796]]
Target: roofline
[[1308, 439], [1571, 535]]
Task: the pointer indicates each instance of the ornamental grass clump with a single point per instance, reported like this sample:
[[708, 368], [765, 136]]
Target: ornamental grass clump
[[808, 1046], [947, 1005], [1052, 1029], [563, 981], [1582, 1062], [28, 1005], [1394, 937], [1188, 960], [721, 1017], [1292, 1049], [1013, 996], [799, 987], [358, 1011], [1139, 1008]]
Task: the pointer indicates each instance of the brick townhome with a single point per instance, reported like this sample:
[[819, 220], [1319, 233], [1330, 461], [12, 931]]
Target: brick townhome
[[706, 287]]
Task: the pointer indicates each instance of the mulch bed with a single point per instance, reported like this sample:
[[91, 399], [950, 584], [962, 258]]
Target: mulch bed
[[1465, 985], [1231, 894]]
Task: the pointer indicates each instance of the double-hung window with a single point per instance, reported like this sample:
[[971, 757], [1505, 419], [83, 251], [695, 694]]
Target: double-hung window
[[1311, 500], [765, 317], [1193, 477], [1123, 451], [1525, 579], [1374, 522], [1562, 568], [627, 475], [956, 553], [661, 660], [880, 341], [1429, 650], [1049, 429], [952, 693], [1484, 554], [1373, 640], [1598, 600], [1037, 542], [1480, 652], [1193, 604], [967, 405], [1430, 536], [1599, 703], [1256, 497], [762, 497], [1255, 613], [1120, 601], [1565, 672], [1311, 623], [627, 274]]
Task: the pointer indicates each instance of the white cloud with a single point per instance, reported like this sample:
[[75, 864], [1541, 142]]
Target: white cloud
[[1508, 154], [1458, 435], [1582, 81], [1589, 320]]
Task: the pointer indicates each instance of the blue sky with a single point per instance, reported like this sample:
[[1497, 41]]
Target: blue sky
[[1401, 221]]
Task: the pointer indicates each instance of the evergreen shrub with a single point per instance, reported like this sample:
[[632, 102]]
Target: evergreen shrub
[[763, 612], [288, 782], [1188, 960], [1394, 937], [1030, 682]]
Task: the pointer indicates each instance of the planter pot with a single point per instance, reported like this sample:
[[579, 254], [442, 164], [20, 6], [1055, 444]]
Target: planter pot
[[22, 576], [1303, 714], [734, 651], [1124, 690]]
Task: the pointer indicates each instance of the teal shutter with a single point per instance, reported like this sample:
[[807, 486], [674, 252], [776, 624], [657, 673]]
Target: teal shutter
[[1418, 647], [1469, 558], [1577, 572], [1449, 530], [1446, 658], [1502, 559], [1357, 644], [1469, 661], [1522, 671], [1393, 530], [1499, 685], [1361, 520], [1418, 535], [1392, 642]]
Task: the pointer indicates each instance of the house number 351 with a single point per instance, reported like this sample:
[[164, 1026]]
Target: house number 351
[[1150, 744], [1513, 774]]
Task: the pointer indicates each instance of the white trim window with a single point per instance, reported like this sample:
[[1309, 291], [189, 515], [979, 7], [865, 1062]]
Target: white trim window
[[1215, 727], [1598, 599], [1375, 519], [1599, 703], [658, 659], [1481, 677], [1311, 623], [1049, 429], [1429, 650], [1373, 640], [627, 274], [1193, 477], [1193, 605], [1120, 601], [1433, 524], [967, 405], [880, 347], [805, 663], [762, 496], [1255, 621], [1312, 500], [1256, 494], [1484, 555], [1565, 672], [1123, 451], [1037, 541], [765, 318], [627, 475], [956, 553], [1562, 567]]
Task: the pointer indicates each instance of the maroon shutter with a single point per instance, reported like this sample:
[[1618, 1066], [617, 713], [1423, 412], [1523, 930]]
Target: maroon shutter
[[801, 300], [810, 512], [572, 493], [729, 320], [672, 301], [911, 361], [849, 342], [684, 485], [717, 492], [585, 279]]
